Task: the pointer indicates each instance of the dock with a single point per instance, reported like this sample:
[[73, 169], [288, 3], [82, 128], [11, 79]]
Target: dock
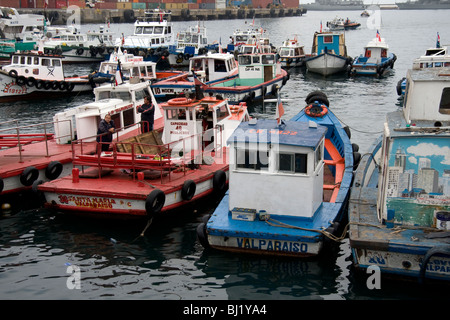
[[60, 16]]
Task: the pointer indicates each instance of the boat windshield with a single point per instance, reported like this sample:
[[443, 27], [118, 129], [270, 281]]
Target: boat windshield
[[286, 52], [124, 95]]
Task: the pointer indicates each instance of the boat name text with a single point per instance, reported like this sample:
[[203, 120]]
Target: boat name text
[[271, 245]]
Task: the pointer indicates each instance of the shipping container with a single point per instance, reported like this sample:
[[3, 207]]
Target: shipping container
[[124, 5], [193, 6], [290, 3], [106, 5], [137, 5], [155, 5], [207, 5], [10, 3]]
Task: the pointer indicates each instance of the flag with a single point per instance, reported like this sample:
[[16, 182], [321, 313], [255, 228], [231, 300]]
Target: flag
[[109, 24], [220, 45], [123, 39], [320, 25], [378, 36], [280, 109], [45, 4], [253, 22], [438, 41], [118, 74]]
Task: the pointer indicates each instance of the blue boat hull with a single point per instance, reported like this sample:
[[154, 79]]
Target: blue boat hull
[[362, 68]]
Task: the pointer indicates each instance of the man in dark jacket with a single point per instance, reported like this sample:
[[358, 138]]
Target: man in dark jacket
[[106, 127], [147, 111]]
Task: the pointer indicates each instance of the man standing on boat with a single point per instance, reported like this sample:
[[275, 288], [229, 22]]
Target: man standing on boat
[[105, 130], [147, 111]]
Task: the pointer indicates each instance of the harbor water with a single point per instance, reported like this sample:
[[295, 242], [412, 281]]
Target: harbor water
[[47, 255]]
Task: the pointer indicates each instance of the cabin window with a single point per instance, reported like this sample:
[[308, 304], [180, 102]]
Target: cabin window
[[292, 162], [159, 30], [22, 60], [256, 59], [328, 39], [220, 66], [128, 117], [56, 63], [45, 62], [252, 159], [221, 113], [15, 59], [383, 53], [139, 94], [29, 60], [318, 155], [245, 60], [148, 30], [176, 114], [36, 61], [444, 106], [368, 53], [138, 30], [268, 59], [446, 64], [194, 38]]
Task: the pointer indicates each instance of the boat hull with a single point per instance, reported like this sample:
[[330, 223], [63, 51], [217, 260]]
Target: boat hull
[[292, 62], [327, 64], [413, 253], [361, 68]]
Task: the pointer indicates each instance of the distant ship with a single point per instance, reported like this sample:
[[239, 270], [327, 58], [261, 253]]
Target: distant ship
[[424, 4], [331, 5]]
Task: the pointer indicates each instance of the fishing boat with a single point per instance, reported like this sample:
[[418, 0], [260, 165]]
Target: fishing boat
[[292, 53], [145, 180], [77, 47], [328, 54], [399, 210], [191, 42], [131, 66], [376, 61], [151, 38], [288, 187], [19, 31], [208, 68], [33, 74], [259, 75], [33, 154], [241, 37]]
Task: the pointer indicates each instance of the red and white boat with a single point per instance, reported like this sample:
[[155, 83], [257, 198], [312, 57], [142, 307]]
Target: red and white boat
[[142, 180], [32, 154]]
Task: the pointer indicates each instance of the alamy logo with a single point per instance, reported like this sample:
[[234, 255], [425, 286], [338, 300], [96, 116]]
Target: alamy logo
[[374, 20], [374, 280], [74, 280]]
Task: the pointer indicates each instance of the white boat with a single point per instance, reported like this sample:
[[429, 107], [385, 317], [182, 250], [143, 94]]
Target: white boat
[[292, 53], [328, 54], [152, 31], [377, 60], [24, 27], [209, 68], [191, 42], [33, 74], [399, 210], [242, 36], [79, 47]]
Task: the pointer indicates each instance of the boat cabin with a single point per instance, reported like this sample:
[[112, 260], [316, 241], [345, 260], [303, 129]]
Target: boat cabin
[[194, 36], [288, 159], [330, 42], [38, 66], [415, 175], [118, 101], [291, 48], [185, 118], [256, 68], [256, 44], [213, 66], [375, 52], [14, 25], [131, 66], [433, 58]]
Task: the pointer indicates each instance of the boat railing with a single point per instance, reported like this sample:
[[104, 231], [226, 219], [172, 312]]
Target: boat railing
[[19, 136], [134, 157]]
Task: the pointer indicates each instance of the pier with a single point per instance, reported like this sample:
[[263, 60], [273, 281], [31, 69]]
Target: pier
[[60, 16]]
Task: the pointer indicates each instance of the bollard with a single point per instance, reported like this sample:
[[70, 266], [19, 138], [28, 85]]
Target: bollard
[[75, 175]]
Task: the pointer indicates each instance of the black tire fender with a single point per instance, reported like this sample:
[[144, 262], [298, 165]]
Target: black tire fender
[[29, 175], [12, 73], [219, 181], [202, 236], [188, 190], [154, 202], [53, 170]]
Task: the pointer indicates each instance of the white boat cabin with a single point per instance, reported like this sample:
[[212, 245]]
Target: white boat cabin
[[376, 50], [256, 44], [427, 96], [213, 66], [131, 66], [185, 118], [287, 160], [26, 27], [38, 66], [118, 101], [291, 49], [194, 36], [433, 58], [261, 67]]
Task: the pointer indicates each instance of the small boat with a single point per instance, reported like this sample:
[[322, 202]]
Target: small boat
[[191, 42], [76, 47], [339, 24], [399, 210], [288, 187], [328, 54], [377, 60], [208, 68], [33, 154], [259, 75], [140, 179], [153, 34], [256, 44], [241, 37], [435, 57], [292, 53], [365, 13], [19, 31], [131, 66], [33, 74]]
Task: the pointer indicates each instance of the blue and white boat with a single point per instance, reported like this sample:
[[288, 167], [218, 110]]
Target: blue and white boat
[[328, 54], [376, 61], [399, 210], [289, 185]]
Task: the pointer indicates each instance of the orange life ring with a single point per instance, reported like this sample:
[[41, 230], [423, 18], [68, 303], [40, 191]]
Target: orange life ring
[[234, 108], [313, 110], [179, 101]]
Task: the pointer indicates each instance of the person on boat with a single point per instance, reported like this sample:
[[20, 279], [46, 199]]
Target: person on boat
[[147, 111], [104, 133]]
